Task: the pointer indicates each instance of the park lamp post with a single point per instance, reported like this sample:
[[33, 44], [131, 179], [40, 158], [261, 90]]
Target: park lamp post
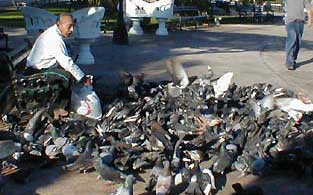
[[120, 35]]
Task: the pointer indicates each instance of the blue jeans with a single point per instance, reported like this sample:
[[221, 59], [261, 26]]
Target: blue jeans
[[293, 41]]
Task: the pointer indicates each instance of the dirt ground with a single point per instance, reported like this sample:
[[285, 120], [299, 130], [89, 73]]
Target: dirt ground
[[53, 181]]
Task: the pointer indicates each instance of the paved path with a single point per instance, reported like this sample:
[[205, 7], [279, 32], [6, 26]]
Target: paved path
[[255, 53]]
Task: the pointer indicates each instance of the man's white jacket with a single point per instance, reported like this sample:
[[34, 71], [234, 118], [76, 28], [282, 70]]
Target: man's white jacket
[[50, 51]]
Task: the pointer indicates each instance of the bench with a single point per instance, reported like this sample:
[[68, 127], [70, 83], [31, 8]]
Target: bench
[[245, 10], [16, 58], [27, 91], [10, 62], [6, 39], [258, 13], [188, 15]]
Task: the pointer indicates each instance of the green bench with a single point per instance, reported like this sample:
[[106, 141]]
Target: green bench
[[184, 15]]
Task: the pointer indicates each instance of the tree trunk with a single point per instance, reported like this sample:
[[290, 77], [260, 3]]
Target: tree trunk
[[120, 35]]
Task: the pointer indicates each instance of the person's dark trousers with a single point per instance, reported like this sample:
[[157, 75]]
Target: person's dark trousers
[[293, 42]]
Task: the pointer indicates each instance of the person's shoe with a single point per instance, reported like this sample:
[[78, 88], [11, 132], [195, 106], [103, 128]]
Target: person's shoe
[[290, 67]]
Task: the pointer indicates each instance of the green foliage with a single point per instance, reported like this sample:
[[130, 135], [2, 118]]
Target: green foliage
[[14, 18], [11, 14], [259, 2], [11, 18]]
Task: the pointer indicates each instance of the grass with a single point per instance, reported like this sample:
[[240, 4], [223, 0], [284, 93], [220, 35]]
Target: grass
[[11, 18], [15, 19], [11, 14]]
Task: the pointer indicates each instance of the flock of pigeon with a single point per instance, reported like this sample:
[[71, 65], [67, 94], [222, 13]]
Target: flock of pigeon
[[186, 133]]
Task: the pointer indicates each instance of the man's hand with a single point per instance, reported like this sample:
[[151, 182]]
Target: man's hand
[[310, 16], [87, 80]]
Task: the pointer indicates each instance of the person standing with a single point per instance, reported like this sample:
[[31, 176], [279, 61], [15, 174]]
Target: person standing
[[295, 19]]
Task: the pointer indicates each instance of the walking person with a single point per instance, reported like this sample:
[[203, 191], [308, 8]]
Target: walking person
[[295, 19]]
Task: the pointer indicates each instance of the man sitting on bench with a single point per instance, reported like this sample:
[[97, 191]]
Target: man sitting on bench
[[49, 53]]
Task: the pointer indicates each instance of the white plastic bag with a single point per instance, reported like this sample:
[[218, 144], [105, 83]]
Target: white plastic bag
[[85, 101]]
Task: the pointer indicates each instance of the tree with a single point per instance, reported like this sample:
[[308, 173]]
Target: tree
[[120, 35]]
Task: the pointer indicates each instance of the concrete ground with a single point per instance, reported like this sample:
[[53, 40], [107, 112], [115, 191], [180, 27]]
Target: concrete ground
[[255, 53]]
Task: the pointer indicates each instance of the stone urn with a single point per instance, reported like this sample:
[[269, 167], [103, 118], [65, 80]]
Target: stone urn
[[136, 10], [86, 31], [37, 20], [163, 10]]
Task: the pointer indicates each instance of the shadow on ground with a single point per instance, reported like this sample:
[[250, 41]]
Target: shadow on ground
[[148, 49]]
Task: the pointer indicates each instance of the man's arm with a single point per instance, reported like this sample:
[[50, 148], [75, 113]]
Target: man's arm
[[309, 8], [310, 15], [66, 61]]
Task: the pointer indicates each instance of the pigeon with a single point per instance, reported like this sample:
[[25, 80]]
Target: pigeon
[[108, 155], [140, 164], [127, 187], [33, 125], [193, 187], [7, 148], [239, 140], [154, 174], [226, 158], [160, 138], [177, 155], [183, 175], [202, 181], [108, 173], [70, 152], [84, 161], [207, 182], [164, 181], [9, 118]]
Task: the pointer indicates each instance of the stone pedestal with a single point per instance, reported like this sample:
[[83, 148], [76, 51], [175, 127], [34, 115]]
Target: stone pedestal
[[85, 56], [138, 9], [162, 27], [136, 28], [86, 30]]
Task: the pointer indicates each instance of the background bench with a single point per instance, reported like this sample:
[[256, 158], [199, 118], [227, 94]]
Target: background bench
[[5, 37], [257, 12], [184, 15]]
